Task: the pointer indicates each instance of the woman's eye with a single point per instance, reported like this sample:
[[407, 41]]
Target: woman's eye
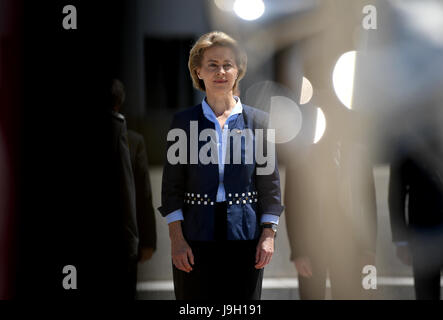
[[213, 65], [227, 66]]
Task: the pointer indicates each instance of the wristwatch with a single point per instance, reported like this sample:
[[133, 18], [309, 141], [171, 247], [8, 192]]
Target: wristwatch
[[272, 226]]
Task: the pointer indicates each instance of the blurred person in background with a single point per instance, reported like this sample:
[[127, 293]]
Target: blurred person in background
[[127, 249], [143, 193], [331, 213], [399, 83], [416, 212]]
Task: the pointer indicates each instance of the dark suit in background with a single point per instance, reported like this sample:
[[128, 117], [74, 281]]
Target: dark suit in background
[[145, 218], [143, 191], [127, 206], [143, 198], [416, 213]]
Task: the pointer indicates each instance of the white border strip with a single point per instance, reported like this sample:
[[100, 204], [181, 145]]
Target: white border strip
[[278, 283]]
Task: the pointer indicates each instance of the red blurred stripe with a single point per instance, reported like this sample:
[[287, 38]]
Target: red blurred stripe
[[10, 107]]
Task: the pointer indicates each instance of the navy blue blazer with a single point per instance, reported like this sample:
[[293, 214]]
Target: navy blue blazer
[[193, 187]]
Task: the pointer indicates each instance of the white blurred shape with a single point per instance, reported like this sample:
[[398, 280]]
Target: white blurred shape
[[306, 91], [424, 17], [249, 9], [285, 118], [401, 68], [343, 77], [225, 5], [320, 125]]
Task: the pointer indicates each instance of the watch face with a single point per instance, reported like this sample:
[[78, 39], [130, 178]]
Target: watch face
[[274, 228]]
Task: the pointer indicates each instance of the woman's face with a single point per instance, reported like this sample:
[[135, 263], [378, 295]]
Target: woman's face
[[218, 70]]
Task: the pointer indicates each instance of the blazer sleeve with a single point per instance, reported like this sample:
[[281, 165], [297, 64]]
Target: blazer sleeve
[[174, 177], [268, 186]]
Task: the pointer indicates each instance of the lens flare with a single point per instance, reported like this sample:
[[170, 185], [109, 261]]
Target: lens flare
[[343, 78], [249, 9]]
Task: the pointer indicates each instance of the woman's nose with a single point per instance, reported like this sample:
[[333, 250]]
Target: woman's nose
[[221, 70]]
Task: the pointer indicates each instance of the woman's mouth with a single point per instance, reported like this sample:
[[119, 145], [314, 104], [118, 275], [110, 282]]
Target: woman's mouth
[[220, 81]]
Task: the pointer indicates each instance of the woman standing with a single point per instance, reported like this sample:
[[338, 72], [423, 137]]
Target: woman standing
[[222, 216]]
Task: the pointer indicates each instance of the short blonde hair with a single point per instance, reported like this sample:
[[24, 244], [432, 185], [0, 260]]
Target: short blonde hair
[[209, 40]]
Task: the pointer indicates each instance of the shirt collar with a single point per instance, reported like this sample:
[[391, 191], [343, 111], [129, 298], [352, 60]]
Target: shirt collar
[[210, 115]]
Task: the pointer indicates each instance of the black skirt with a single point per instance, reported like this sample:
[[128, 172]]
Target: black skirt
[[223, 270]]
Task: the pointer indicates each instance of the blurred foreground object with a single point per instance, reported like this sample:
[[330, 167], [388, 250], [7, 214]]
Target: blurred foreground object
[[399, 84]]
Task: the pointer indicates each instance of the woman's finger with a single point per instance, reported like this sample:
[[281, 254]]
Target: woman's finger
[[262, 260], [191, 256], [185, 262]]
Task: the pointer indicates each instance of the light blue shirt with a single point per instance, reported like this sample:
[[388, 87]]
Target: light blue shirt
[[222, 135]]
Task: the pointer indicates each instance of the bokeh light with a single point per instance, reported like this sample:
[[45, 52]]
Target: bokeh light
[[306, 91], [249, 9], [320, 125], [285, 118], [225, 5], [343, 78]]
